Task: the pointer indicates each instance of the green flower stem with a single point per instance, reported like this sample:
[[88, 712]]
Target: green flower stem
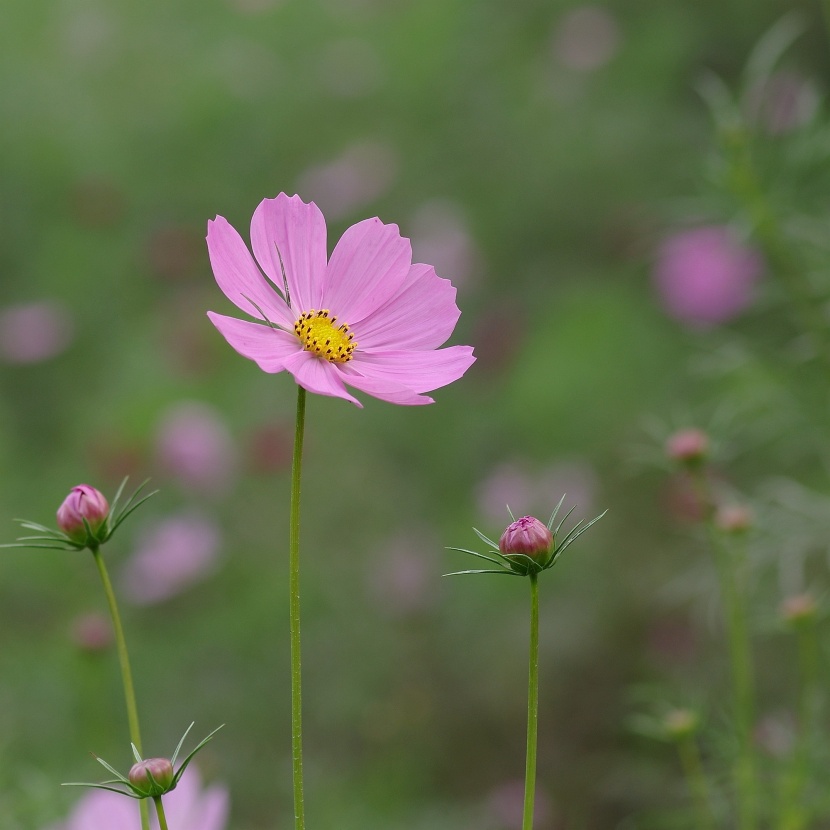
[[794, 815], [294, 612], [124, 663], [532, 704], [160, 811], [730, 571], [696, 781]]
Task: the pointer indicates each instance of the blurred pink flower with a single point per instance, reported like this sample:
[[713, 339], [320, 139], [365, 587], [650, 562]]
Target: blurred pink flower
[[194, 445], [705, 275], [785, 101], [586, 39], [34, 332], [188, 807], [170, 556], [360, 175], [511, 484], [367, 317], [91, 631], [440, 236], [402, 578]]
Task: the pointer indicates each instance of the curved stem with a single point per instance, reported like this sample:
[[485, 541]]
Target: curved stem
[[124, 663], [294, 613], [160, 811], [532, 705]]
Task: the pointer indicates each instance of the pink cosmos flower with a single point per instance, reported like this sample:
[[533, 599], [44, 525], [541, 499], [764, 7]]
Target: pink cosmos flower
[[188, 807], [367, 317], [705, 275]]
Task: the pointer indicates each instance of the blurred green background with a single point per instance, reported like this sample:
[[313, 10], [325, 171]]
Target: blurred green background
[[536, 153]]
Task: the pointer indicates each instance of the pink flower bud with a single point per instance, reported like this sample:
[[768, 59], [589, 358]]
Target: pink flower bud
[[83, 502], [152, 777], [733, 518], [688, 446], [527, 536], [799, 609]]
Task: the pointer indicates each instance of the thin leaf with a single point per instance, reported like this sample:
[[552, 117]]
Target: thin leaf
[[35, 526], [137, 757], [189, 758], [510, 513], [38, 547], [573, 538], [500, 571], [475, 553], [555, 511], [118, 492], [178, 748], [114, 771], [102, 787], [563, 519], [284, 277], [485, 539]]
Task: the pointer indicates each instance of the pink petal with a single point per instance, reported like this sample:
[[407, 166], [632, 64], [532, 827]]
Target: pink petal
[[299, 231], [420, 371], [383, 389], [367, 267], [238, 276], [212, 812], [422, 315], [266, 346], [318, 376]]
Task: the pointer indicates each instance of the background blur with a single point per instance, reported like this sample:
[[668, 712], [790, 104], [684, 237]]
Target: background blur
[[556, 162]]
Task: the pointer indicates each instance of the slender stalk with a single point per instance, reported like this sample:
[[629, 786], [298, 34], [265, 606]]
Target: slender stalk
[[532, 705], [126, 672], [696, 780], [294, 612], [160, 811], [795, 815], [732, 595]]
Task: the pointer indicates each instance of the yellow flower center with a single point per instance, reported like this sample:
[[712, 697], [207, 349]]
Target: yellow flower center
[[319, 333]]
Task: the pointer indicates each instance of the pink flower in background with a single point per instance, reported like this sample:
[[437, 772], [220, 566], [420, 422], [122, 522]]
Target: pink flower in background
[[440, 235], [170, 556], [368, 317], [784, 102], [194, 445], [188, 807], [34, 332], [705, 275], [402, 576], [361, 174]]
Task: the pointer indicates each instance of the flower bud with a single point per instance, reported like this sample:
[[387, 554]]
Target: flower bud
[[733, 518], [152, 777], [688, 446], [83, 503], [529, 537], [680, 724], [799, 609]]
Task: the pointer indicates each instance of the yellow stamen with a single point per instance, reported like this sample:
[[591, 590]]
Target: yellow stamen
[[319, 333]]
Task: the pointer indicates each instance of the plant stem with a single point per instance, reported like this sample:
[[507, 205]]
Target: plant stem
[[294, 612], [696, 780], [795, 815], [124, 663], [160, 811], [532, 705]]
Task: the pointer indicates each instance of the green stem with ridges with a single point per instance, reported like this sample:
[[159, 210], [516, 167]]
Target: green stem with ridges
[[160, 811], [294, 613], [532, 705], [126, 672]]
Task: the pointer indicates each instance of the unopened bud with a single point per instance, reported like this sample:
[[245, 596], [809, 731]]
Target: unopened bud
[[688, 446], [152, 777], [680, 724], [528, 537], [733, 518], [83, 503], [799, 609]]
